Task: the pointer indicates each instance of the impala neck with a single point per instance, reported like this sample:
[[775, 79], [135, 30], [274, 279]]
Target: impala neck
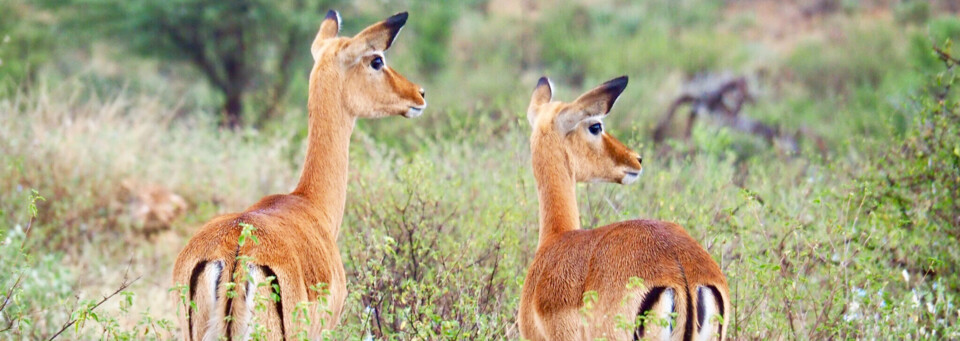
[[556, 188], [323, 181]]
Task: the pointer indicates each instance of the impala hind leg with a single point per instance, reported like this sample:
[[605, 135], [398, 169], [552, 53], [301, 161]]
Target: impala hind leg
[[527, 324], [292, 293], [256, 311], [564, 326]]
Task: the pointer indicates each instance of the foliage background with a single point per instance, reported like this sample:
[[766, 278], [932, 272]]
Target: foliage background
[[858, 239]]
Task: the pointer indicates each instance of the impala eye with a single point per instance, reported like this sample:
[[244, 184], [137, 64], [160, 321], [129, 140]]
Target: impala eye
[[595, 128], [376, 63]]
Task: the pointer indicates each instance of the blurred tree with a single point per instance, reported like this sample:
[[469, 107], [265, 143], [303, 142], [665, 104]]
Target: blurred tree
[[433, 33], [239, 46], [565, 38]]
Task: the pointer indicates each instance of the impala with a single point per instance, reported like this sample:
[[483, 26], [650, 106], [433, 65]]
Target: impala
[[297, 232], [637, 270]]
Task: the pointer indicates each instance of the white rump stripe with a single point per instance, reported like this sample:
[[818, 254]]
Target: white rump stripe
[[710, 304], [212, 272], [664, 308]]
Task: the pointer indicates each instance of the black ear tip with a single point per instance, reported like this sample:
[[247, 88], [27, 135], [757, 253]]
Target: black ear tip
[[397, 21], [331, 14], [543, 81], [616, 85], [619, 82]]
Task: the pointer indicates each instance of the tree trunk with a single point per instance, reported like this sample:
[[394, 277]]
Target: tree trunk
[[236, 82], [231, 111]]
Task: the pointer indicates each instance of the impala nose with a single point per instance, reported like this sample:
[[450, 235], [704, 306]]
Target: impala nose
[[640, 159], [423, 94]]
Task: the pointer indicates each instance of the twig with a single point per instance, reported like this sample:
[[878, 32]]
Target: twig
[[9, 294], [493, 273], [6, 298], [123, 286]]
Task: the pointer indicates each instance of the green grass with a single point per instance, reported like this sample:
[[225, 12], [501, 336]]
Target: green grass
[[441, 218]]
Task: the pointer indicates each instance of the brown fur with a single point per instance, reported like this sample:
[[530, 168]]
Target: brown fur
[[297, 232], [570, 261]]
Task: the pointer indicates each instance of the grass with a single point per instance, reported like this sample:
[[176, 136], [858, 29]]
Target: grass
[[441, 216]]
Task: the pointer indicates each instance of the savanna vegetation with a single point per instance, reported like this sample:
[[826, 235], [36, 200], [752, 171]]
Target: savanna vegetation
[[125, 125]]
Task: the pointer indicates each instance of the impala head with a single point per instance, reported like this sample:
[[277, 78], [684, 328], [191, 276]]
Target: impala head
[[357, 68], [577, 128]]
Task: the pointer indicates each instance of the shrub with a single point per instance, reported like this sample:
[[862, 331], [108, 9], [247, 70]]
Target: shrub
[[917, 182], [938, 30], [39, 299], [417, 267]]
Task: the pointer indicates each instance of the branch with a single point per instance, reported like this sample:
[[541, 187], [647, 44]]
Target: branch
[[946, 57], [949, 61], [23, 243], [195, 50], [6, 299]]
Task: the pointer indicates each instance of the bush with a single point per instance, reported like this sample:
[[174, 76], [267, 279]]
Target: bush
[[938, 30], [39, 300], [424, 264], [917, 182]]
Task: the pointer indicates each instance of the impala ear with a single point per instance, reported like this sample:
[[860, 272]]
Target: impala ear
[[600, 100], [381, 35], [328, 29], [596, 102], [542, 94]]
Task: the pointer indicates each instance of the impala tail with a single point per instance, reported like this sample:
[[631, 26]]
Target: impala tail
[[226, 296]]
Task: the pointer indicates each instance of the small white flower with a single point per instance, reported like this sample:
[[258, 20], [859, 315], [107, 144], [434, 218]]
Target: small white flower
[[906, 276]]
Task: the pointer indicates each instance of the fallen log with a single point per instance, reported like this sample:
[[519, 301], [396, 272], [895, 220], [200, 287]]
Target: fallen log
[[723, 97]]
